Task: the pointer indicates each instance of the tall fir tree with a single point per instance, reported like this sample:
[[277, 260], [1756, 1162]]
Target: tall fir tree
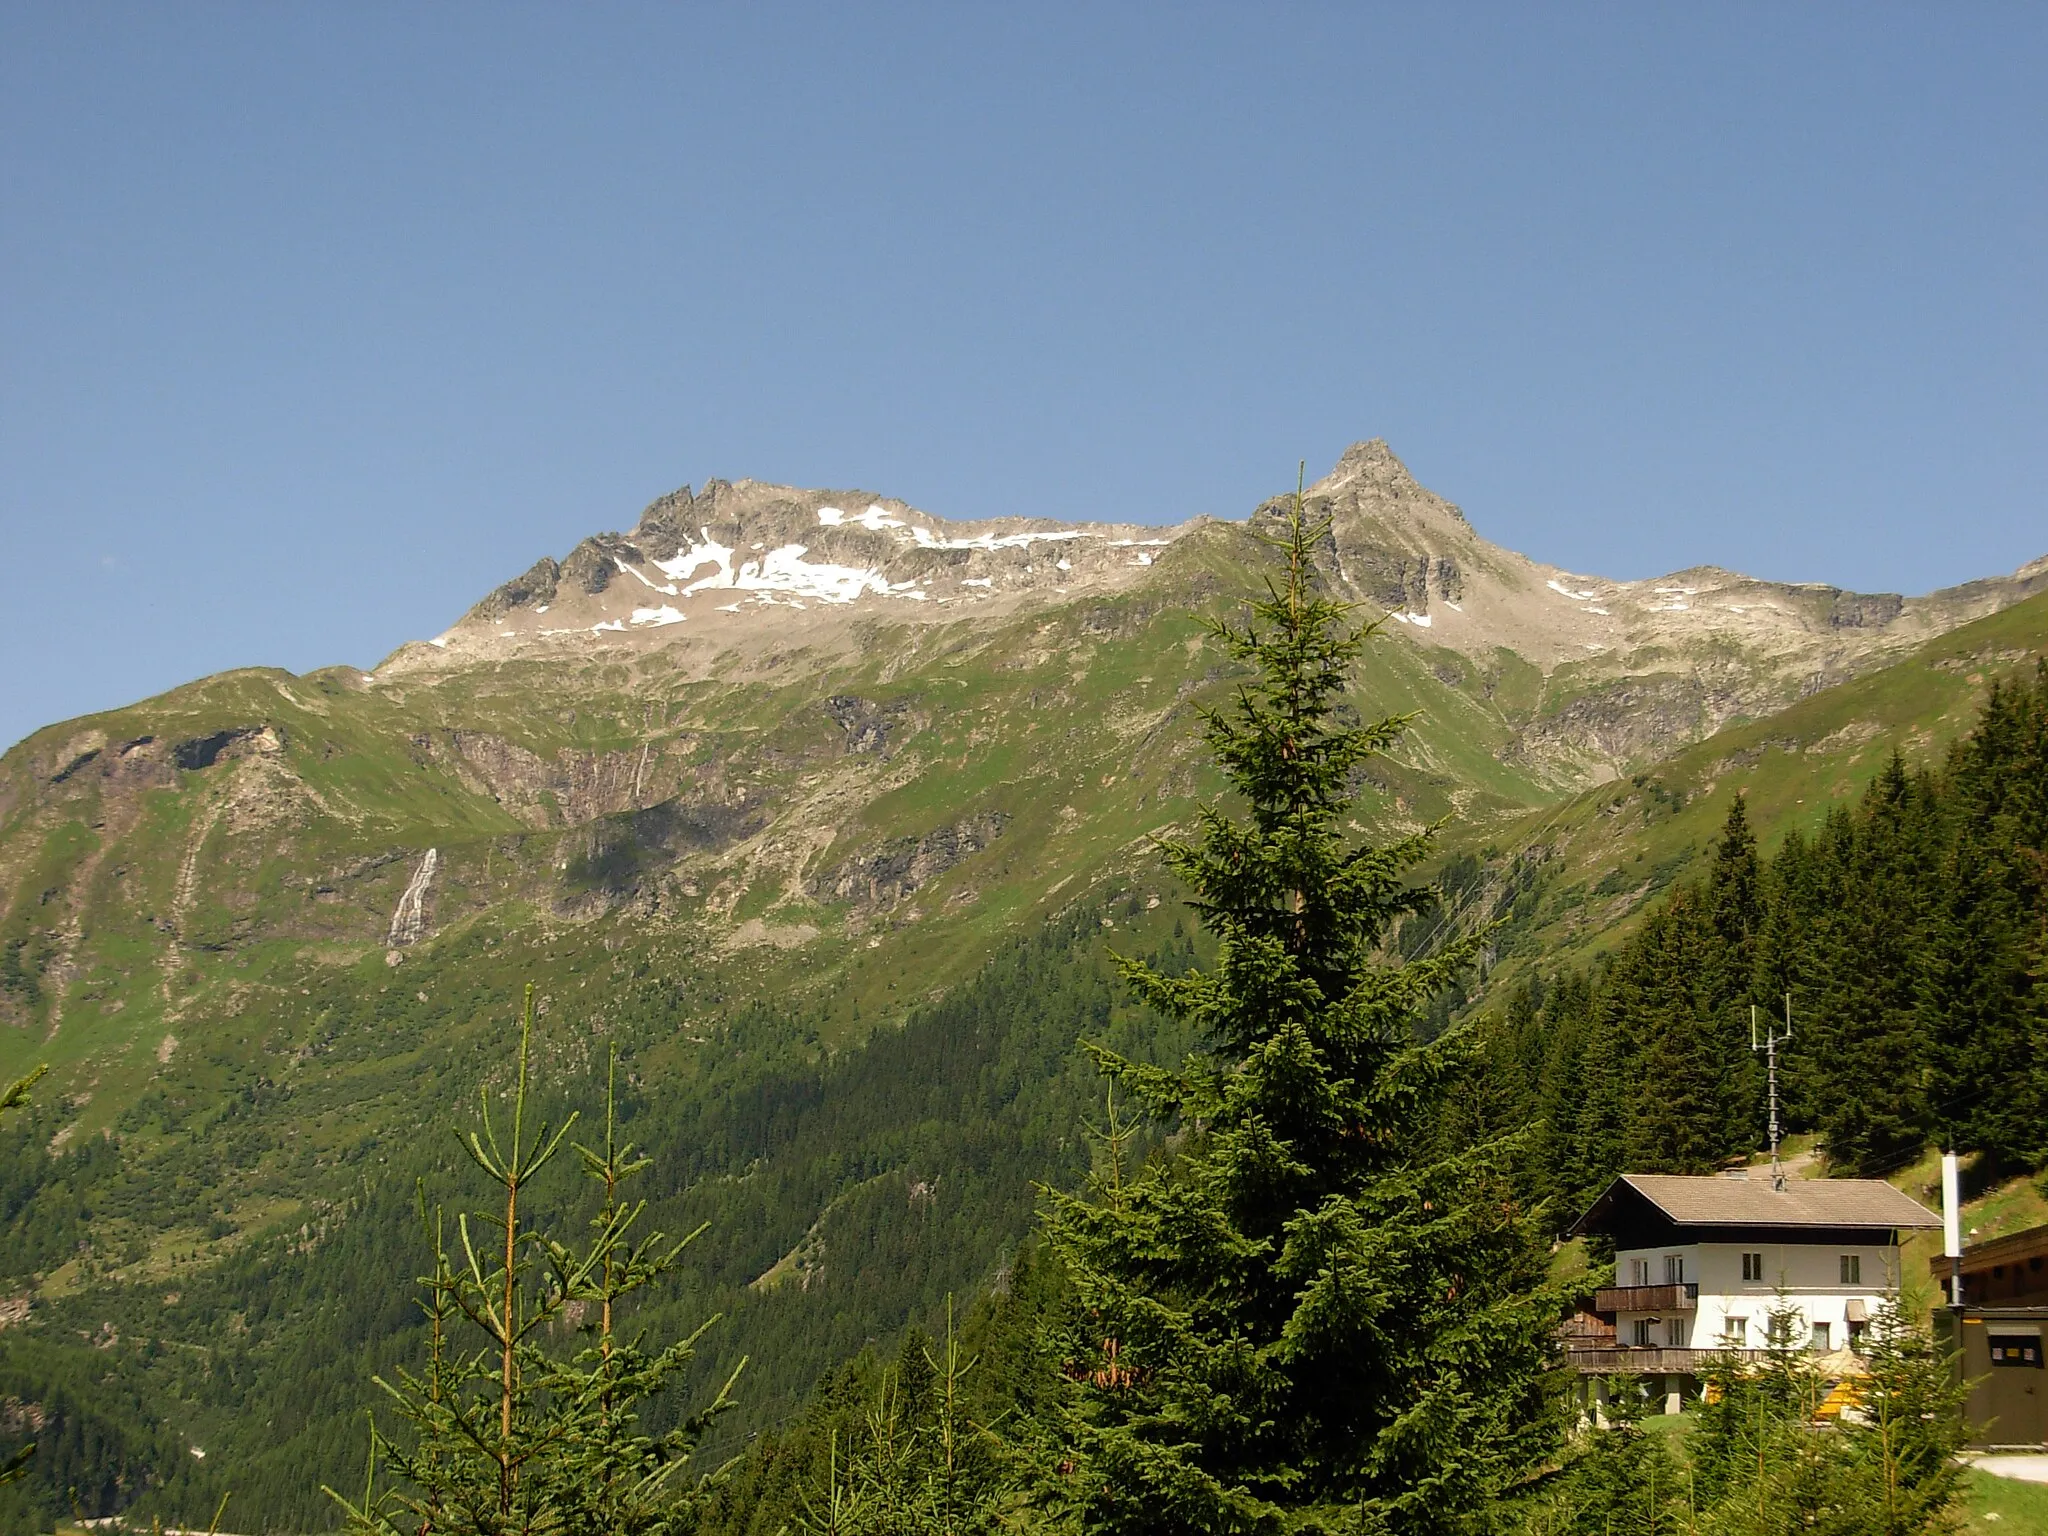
[[1303, 1317], [1735, 907], [1985, 971], [506, 1436], [1738, 913], [1683, 1113], [1868, 1011], [1577, 1104]]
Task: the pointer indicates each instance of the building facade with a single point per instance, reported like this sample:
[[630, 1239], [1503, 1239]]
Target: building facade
[[2001, 1333], [1705, 1267]]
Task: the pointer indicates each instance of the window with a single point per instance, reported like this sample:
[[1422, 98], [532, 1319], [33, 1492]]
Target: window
[[1638, 1271], [1856, 1332], [1820, 1336], [2019, 1349], [1753, 1268], [1734, 1332], [1643, 1331], [1674, 1332], [1674, 1269], [1852, 1269]]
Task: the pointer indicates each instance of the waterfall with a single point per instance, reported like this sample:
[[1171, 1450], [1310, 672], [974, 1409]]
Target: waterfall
[[411, 916]]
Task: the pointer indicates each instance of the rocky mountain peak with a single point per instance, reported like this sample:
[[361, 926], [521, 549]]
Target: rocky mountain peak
[[761, 566], [1373, 464], [1371, 479], [751, 561]]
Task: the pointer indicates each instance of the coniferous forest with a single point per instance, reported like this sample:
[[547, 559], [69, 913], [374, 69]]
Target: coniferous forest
[[1907, 933], [1286, 1256]]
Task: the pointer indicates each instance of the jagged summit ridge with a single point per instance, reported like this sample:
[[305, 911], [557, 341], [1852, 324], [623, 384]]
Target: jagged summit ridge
[[741, 550], [748, 562]]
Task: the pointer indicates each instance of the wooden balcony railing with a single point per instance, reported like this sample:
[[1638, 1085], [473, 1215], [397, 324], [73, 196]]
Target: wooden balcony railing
[[1647, 1298], [1652, 1359]]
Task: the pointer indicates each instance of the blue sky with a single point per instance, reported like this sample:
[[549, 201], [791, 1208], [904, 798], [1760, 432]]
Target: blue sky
[[316, 321]]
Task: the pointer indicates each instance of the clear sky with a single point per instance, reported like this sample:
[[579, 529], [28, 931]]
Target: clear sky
[[317, 321]]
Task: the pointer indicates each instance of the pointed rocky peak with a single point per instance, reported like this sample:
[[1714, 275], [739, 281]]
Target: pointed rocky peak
[[1372, 463], [1371, 478]]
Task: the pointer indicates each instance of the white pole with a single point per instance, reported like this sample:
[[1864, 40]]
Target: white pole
[[1952, 1227]]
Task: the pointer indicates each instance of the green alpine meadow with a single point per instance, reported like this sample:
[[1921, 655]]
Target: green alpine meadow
[[809, 1016]]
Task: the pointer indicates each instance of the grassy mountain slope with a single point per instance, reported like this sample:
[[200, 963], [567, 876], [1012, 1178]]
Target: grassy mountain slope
[[841, 896], [814, 822], [1595, 860]]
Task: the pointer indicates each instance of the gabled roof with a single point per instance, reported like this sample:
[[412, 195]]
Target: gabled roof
[[1690, 1201]]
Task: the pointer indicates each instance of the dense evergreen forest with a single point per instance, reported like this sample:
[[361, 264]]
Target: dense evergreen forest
[[1910, 933], [1910, 930], [838, 1162]]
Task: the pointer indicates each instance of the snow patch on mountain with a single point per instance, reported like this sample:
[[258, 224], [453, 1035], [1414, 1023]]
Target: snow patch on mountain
[[666, 591], [874, 518], [783, 570], [926, 539]]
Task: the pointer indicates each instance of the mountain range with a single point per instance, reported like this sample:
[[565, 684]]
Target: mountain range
[[778, 772], [807, 718]]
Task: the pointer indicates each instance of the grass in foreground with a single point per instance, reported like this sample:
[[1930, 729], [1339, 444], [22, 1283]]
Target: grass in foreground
[[2005, 1505]]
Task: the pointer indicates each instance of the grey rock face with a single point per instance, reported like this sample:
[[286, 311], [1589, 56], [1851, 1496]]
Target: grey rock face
[[896, 869], [530, 589], [742, 570], [867, 724]]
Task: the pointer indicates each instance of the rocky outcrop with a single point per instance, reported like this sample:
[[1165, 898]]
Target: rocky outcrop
[[566, 789], [1864, 610], [622, 856], [1624, 722], [237, 741], [535, 588], [594, 564], [865, 724], [898, 868], [669, 523]]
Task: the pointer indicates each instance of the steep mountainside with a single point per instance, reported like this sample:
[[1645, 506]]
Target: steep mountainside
[[1578, 873], [1595, 675], [800, 727], [733, 790]]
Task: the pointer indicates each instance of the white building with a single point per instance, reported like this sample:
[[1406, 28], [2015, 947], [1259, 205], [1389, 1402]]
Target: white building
[[1702, 1264]]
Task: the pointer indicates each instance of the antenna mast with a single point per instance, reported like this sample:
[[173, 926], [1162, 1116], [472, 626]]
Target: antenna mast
[[1768, 1042]]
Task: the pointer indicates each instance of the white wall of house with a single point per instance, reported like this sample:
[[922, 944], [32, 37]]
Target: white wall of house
[[1733, 1309]]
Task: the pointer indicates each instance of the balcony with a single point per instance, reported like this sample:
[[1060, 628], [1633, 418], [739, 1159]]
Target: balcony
[[1655, 1360], [1647, 1298]]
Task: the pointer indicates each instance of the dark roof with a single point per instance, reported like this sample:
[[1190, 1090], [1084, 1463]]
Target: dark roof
[[1690, 1201], [2029, 1244]]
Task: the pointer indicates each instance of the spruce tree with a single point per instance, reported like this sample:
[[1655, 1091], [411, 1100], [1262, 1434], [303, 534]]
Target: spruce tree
[[1738, 913], [1983, 999], [1616, 1480], [1870, 1030], [1684, 1115], [1304, 1316], [504, 1435], [1578, 1100], [1761, 1467], [1793, 907], [1735, 906]]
